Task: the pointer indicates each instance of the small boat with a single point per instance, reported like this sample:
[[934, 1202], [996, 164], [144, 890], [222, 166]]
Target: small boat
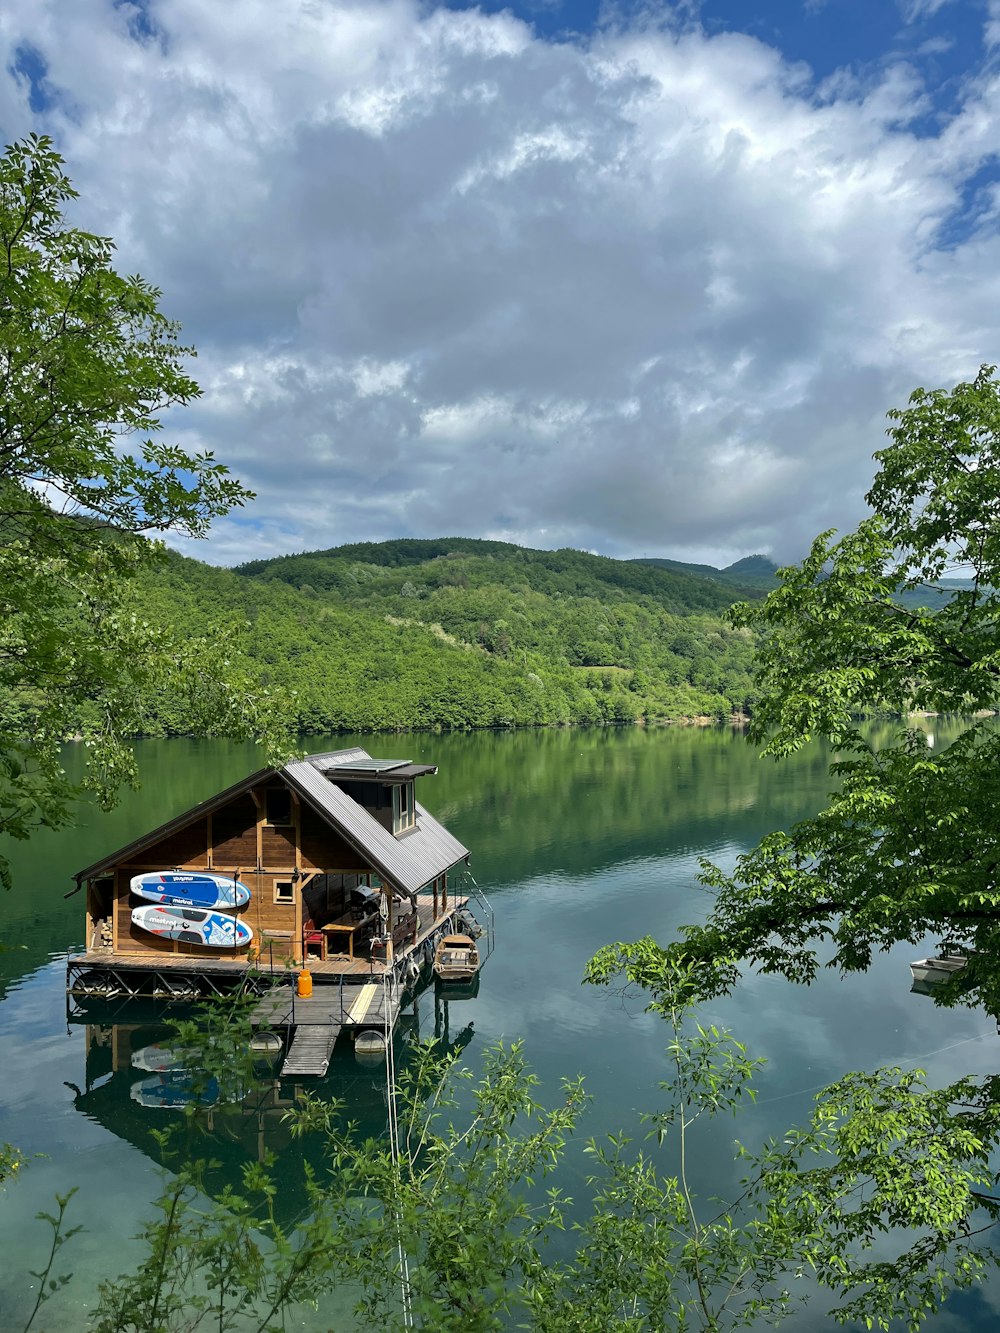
[[456, 958], [191, 925], [177, 888], [930, 970]]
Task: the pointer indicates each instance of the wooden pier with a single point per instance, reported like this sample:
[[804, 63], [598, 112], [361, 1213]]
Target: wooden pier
[[315, 1022]]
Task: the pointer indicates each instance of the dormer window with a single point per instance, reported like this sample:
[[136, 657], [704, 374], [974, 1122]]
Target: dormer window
[[404, 815]]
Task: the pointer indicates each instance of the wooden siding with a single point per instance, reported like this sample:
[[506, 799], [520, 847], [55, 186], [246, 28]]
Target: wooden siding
[[277, 848], [234, 833], [184, 848], [274, 924]]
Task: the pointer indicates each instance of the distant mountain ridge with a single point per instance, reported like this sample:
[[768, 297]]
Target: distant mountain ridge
[[678, 586], [757, 572]]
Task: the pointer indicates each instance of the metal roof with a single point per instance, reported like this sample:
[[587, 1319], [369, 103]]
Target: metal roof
[[404, 772], [408, 862], [373, 766]]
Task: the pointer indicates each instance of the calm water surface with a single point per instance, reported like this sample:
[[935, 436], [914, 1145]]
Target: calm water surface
[[578, 838]]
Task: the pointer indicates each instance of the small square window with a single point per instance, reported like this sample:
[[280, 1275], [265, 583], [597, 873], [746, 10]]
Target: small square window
[[279, 806], [284, 891]]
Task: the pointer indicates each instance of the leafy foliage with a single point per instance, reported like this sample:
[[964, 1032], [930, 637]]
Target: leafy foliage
[[451, 1226], [87, 360], [909, 843]]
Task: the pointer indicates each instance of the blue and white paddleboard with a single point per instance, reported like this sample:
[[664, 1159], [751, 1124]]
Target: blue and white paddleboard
[[193, 925], [181, 888], [174, 1091]]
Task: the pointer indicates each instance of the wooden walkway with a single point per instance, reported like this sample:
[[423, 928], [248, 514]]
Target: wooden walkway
[[310, 1051], [316, 1021]]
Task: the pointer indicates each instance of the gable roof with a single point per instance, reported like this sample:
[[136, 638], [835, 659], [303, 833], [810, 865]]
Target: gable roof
[[407, 862]]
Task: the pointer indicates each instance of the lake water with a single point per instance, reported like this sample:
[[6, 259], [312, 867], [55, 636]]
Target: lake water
[[578, 838]]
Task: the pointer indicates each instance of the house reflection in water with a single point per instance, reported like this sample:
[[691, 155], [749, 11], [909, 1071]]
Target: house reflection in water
[[136, 1082]]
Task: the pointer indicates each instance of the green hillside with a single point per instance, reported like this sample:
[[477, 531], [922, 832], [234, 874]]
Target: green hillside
[[751, 575], [461, 633]]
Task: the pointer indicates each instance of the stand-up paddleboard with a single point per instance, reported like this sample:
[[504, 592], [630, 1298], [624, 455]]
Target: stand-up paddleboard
[[174, 1091], [179, 888], [192, 925]]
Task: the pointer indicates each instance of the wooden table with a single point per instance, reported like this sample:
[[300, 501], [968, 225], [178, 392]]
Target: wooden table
[[341, 928]]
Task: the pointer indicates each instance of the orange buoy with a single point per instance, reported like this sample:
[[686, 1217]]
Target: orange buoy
[[304, 985]]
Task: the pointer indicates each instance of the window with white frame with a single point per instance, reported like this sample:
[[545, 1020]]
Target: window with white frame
[[404, 814]]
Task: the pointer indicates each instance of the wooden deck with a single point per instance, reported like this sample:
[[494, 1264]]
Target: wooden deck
[[351, 1006], [222, 972], [315, 1022]]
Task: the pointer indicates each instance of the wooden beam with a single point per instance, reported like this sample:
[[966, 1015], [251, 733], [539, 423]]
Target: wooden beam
[[261, 821]]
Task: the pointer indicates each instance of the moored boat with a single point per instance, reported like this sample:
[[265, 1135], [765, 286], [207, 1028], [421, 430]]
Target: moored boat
[[930, 970], [456, 958]]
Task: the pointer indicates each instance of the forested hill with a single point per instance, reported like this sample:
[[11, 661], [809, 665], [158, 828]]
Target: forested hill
[[756, 572], [459, 633], [463, 633], [468, 563]]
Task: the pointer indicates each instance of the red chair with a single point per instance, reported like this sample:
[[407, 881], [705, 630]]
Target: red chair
[[313, 939]]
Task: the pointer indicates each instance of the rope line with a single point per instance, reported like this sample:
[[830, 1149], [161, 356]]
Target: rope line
[[391, 983], [906, 1060]]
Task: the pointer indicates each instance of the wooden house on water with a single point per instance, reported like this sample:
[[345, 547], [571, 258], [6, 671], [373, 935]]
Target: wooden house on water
[[348, 877]]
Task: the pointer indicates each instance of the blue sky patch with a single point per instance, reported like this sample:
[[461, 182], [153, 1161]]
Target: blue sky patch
[[29, 65]]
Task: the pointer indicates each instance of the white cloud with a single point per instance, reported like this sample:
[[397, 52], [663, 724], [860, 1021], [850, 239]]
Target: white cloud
[[654, 293]]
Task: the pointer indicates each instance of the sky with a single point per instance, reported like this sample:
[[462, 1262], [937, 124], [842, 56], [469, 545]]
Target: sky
[[637, 279]]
